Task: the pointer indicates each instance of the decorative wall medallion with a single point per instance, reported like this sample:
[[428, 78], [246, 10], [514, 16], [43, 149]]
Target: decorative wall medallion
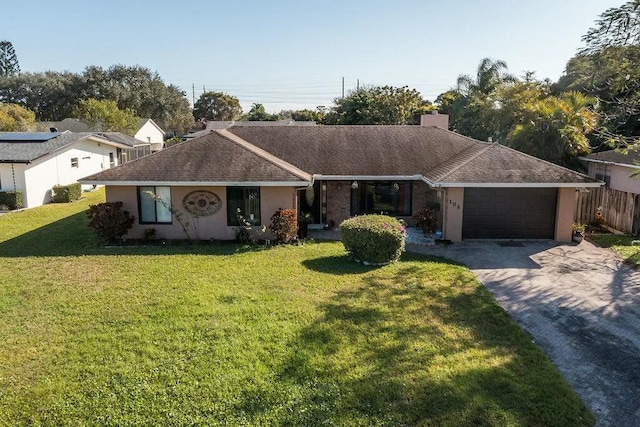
[[202, 203]]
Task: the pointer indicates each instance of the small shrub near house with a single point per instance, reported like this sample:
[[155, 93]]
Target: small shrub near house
[[109, 220], [427, 219], [66, 193], [373, 239], [11, 199], [284, 225]]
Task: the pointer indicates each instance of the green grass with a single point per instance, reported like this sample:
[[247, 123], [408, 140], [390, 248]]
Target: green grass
[[622, 245], [229, 335]]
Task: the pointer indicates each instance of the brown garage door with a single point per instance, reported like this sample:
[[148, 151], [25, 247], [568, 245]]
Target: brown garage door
[[509, 213]]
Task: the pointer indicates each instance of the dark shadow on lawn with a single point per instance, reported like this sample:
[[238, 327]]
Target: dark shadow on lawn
[[337, 264], [70, 236], [368, 358]]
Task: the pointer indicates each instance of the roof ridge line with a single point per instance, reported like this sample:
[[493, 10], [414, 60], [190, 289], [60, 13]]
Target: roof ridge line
[[464, 163], [264, 154]]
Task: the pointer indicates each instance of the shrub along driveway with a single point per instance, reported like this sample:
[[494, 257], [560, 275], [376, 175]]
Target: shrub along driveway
[[579, 303]]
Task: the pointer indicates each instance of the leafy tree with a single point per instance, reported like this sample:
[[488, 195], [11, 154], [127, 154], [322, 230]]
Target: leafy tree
[[474, 105], [617, 26], [217, 106], [106, 116], [382, 105], [556, 128], [307, 115], [613, 75], [8, 60], [50, 95], [53, 95], [258, 113], [14, 118], [141, 90]]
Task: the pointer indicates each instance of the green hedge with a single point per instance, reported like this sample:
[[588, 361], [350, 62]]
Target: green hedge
[[66, 193], [373, 239], [11, 199]]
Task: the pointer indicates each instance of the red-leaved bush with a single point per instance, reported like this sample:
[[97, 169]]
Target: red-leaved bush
[[284, 225], [109, 220]]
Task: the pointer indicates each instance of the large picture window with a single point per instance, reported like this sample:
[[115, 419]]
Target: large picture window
[[152, 211], [386, 197], [243, 200]]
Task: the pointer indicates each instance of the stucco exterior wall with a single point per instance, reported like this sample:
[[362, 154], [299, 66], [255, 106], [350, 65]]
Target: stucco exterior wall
[[620, 176], [205, 227], [621, 179], [55, 169], [565, 211], [453, 206], [10, 172], [150, 133]]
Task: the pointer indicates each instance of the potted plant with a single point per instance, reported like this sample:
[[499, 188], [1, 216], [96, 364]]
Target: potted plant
[[578, 231]]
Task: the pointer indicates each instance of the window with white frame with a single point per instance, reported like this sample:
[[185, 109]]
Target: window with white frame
[[154, 205], [74, 162]]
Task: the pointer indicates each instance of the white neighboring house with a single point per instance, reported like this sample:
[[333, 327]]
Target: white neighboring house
[[33, 162], [150, 132]]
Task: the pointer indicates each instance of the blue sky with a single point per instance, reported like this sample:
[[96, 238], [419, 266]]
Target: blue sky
[[294, 54]]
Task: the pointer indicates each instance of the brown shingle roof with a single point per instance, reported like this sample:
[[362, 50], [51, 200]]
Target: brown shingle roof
[[359, 150], [630, 157], [291, 153], [497, 164], [208, 159]]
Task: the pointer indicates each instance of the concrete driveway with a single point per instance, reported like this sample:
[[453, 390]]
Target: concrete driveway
[[579, 303]]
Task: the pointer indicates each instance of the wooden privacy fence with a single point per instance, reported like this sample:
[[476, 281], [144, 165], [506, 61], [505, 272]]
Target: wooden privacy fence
[[618, 208]]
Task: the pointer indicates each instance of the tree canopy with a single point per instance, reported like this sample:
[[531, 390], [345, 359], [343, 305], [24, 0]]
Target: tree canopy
[[105, 116], [14, 118], [617, 26], [521, 113], [383, 105], [217, 106], [258, 113], [53, 96], [8, 60]]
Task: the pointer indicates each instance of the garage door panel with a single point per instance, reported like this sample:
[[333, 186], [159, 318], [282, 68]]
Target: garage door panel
[[509, 213]]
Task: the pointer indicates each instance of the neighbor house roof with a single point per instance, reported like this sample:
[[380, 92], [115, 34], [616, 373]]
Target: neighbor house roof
[[213, 159], [25, 147], [282, 153], [630, 157]]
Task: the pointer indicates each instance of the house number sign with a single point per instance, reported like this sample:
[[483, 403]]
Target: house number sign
[[454, 204], [202, 203]]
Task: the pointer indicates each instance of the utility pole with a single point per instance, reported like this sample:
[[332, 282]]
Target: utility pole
[[203, 89], [343, 87], [358, 84], [193, 93]]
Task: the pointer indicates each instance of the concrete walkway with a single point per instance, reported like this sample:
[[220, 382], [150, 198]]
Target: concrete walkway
[[578, 302]]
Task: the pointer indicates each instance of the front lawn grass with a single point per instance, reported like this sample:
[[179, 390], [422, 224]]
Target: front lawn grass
[[622, 245], [230, 335]]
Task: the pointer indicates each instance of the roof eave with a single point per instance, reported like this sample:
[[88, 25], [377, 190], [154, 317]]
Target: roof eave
[[367, 177], [198, 183], [609, 162], [519, 184]]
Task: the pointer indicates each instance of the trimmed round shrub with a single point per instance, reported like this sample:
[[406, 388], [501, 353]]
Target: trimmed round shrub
[[373, 239]]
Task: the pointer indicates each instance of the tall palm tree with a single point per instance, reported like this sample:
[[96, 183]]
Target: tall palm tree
[[489, 77]]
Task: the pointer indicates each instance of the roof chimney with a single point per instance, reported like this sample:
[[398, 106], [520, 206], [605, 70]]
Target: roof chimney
[[434, 119]]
